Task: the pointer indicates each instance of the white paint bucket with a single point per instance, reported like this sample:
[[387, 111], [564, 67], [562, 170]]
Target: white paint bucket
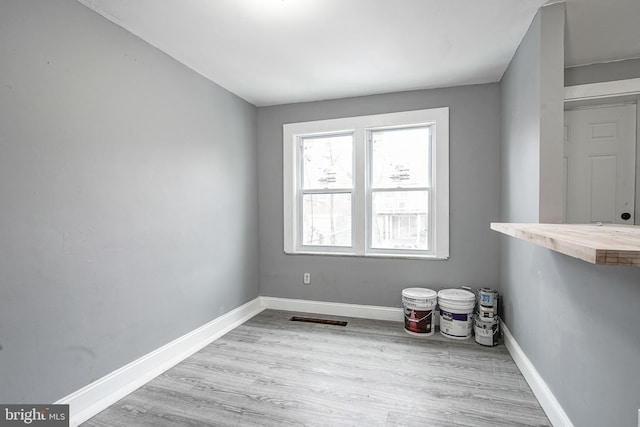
[[486, 330], [419, 305], [456, 313]]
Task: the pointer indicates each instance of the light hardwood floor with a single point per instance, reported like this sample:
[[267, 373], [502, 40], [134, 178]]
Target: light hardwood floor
[[274, 372]]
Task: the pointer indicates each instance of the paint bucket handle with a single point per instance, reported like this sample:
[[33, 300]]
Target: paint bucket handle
[[417, 320], [467, 288]]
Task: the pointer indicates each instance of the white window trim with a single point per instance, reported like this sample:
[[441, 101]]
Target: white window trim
[[359, 125]]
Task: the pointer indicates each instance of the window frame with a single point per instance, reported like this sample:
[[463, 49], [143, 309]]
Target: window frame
[[361, 126]]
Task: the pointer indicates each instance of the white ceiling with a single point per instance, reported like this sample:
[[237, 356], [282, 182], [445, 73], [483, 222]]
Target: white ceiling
[[282, 51]]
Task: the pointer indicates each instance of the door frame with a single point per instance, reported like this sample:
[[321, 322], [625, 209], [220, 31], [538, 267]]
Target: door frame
[[606, 93], [602, 90]]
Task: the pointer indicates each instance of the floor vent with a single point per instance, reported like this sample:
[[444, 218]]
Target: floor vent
[[315, 320]]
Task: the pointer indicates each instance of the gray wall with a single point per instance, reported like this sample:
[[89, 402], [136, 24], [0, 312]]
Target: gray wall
[[551, 98], [520, 131], [474, 203], [576, 322], [532, 126], [128, 192], [603, 72]]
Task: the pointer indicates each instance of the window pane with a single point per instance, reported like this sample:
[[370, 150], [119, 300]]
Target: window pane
[[326, 219], [327, 161], [400, 220], [400, 157]]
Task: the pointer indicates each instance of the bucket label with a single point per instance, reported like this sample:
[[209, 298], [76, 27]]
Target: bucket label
[[487, 332], [486, 312], [418, 321], [462, 317], [457, 325], [488, 297]]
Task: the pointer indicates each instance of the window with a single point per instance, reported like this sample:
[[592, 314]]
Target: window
[[326, 190], [368, 186]]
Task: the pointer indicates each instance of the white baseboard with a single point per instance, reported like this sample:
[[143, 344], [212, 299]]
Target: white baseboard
[[547, 400], [97, 396], [334, 308]]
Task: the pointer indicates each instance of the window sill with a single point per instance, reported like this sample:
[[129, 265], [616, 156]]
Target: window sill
[[385, 256]]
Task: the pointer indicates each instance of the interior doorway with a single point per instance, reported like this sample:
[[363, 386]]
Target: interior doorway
[[600, 164]]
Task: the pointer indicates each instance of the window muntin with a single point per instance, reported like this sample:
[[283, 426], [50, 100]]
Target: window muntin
[[386, 195]]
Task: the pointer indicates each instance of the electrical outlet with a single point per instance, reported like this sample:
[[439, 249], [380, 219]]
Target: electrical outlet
[[306, 278]]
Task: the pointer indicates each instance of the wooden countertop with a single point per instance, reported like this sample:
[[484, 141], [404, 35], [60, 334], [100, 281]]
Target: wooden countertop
[[606, 244]]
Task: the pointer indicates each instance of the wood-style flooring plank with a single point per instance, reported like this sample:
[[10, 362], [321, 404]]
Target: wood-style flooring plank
[[274, 372]]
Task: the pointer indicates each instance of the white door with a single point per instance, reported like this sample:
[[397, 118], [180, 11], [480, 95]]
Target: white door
[[600, 164]]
